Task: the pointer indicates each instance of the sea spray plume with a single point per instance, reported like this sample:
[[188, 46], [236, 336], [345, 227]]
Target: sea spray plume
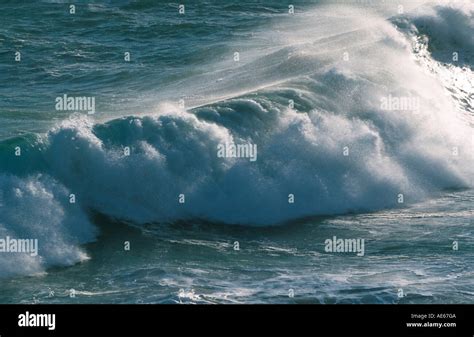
[[293, 46], [37, 208], [337, 106]]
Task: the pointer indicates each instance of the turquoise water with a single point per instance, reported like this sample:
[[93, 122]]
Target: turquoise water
[[197, 263], [306, 88]]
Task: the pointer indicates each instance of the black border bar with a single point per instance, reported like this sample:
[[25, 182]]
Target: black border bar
[[241, 320]]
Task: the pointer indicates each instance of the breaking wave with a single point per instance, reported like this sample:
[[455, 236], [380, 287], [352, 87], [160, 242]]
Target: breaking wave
[[313, 105]]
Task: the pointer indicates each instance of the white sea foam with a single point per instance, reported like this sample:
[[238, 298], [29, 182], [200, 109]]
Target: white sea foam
[[37, 208]]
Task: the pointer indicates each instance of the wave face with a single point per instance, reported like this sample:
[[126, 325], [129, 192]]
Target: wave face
[[435, 23], [315, 104]]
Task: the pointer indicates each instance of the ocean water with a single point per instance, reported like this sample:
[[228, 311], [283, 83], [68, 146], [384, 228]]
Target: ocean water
[[317, 91]]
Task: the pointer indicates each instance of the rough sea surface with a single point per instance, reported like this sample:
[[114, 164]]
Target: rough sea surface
[[309, 89]]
